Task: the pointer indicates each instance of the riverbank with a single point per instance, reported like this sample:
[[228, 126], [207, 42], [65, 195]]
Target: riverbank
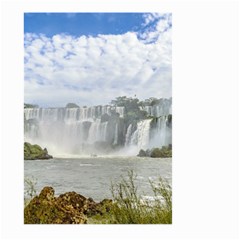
[[126, 206]]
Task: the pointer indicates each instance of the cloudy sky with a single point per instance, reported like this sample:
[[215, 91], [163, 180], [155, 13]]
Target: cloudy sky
[[92, 58]]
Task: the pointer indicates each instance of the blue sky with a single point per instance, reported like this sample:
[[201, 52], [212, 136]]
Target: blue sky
[[82, 23], [91, 58]]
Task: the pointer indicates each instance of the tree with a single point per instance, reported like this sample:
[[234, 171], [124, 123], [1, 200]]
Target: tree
[[27, 105], [131, 106], [72, 105]]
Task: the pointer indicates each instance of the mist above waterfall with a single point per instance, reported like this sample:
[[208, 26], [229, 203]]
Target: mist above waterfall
[[123, 127]]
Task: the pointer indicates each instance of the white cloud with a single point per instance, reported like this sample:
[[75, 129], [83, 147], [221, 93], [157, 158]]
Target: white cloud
[[95, 70], [155, 24], [149, 18]]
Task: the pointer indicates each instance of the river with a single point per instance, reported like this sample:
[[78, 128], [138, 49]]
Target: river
[[92, 176]]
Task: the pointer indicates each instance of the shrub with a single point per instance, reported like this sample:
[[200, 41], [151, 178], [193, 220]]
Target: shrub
[[164, 152], [29, 189], [156, 152], [130, 208]]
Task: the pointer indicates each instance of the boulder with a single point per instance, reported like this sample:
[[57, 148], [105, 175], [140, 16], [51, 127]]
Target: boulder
[[47, 209], [68, 208]]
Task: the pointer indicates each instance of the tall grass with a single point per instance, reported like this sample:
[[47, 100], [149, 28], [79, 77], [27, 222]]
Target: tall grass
[[29, 189], [130, 208]]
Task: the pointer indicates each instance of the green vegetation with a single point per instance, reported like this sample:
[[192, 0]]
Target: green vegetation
[[164, 152], [72, 105], [130, 102], [151, 102], [32, 152], [132, 111], [130, 208], [27, 105], [29, 189]]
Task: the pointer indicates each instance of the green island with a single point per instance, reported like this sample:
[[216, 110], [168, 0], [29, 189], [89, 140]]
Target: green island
[[164, 152], [33, 152]]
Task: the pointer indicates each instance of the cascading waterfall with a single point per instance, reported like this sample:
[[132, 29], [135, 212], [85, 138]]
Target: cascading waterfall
[[105, 124], [142, 138], [163, 131], [128, 135], [116, 135], [164, 108], [162, 134], [158, 135], [93, 135], [69, 128], [143, 133], [77, 130]]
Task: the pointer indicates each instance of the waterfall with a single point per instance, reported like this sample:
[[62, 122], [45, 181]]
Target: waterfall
[[141, 136], [164, 108], [105, 127], [78, 129], [92, 132], [128, 135], [115, 141], [143, 128], [162, 130], [162, 135], [97, 131], [134, 138], [71, 114]]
